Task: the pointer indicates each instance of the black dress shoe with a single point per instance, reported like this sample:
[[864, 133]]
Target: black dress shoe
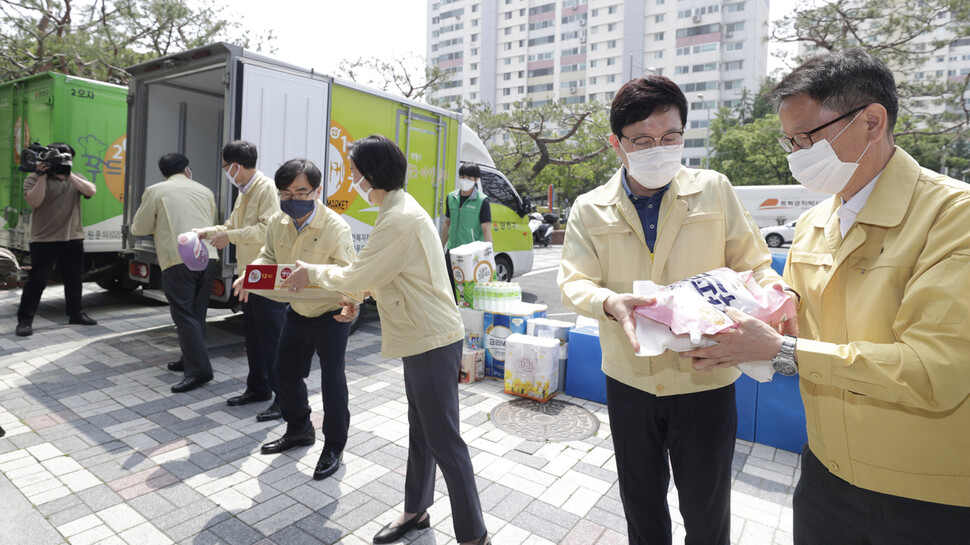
[[191, 383], [390, 535], [327, 465], [248, 397], [176, 366], [289, 441], [271, 413], [82, 318], [25, 329], [2, 432]]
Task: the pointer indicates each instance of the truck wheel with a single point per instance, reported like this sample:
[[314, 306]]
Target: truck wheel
[[774, 240], [503, 268], [117, 284]]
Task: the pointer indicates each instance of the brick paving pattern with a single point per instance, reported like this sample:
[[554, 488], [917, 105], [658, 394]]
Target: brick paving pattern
[[98, 445]]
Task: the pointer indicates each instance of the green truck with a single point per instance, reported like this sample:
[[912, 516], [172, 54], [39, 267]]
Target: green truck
[[91, 117], [196, 101]]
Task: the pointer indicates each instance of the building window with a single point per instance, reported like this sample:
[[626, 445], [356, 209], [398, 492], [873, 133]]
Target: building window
[[611, 61], [735, 27], [611, 27], [734, 84], [681, 70], [658, 18], [734, 46], [611, 44], [506, 92], [611, 10], [659, 54], [610, 78], [658, 37], [731, 8], [733, 65]]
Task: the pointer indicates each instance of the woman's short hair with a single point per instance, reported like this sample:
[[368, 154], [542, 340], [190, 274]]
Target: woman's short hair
[[291, 169], [379, 160], [469, 170]]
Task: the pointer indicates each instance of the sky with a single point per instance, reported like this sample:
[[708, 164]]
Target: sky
[[318, 34]]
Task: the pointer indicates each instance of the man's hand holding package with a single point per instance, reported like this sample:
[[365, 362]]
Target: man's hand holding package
[[621, 306], [751, 340], [298, 279]]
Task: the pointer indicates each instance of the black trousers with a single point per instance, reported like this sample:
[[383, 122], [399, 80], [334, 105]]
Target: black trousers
[[263, 320], [302, 336], [433, 438], [830, 510], [693, 434], [188, 292], [68, 256]]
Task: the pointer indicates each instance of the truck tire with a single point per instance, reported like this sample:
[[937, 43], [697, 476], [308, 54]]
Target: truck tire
[[774, 240], [503, 268], [117, 284]]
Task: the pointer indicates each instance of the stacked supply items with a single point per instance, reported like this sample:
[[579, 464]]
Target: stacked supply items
[[473, 355], [472, 365], [532, 367], [554, 329], [471, 264], [498, 326]]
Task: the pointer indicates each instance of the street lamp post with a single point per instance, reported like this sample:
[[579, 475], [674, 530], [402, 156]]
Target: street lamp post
[[707, 133]]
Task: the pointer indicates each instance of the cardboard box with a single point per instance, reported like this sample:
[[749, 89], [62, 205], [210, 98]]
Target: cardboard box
[[472, 366], [498, 326], [266, 280], [474, 322], [532, 367], [471, 263], [554, 329]]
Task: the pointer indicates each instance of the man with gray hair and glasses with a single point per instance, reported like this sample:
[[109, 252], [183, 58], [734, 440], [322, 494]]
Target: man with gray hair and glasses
[[883, 270]]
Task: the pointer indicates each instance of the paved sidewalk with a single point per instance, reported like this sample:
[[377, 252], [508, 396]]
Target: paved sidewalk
[[98, 450]]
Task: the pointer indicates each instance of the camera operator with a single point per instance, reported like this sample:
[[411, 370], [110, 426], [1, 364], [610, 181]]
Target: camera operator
[[56, 235]]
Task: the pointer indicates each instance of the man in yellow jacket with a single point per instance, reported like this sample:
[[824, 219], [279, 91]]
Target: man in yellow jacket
[[883, 270], [167, 209], [656, 220], [309, 232], [256, 203]]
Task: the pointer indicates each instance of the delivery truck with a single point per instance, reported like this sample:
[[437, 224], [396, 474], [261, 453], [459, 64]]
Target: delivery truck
[[90, 116], [773, 205], [197, 101]]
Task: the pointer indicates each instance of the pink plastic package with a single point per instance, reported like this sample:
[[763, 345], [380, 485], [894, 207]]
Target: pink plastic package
[[193, 251], [695, 306]]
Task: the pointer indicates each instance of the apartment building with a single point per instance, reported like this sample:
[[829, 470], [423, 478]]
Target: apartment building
[[578, 51]]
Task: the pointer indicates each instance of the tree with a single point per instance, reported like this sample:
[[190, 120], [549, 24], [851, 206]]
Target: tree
[[744, 140], [409, 75], [565, 145], [905, 39], [98, 38]]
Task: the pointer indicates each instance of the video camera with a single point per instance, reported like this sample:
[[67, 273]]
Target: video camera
[[59, 161]]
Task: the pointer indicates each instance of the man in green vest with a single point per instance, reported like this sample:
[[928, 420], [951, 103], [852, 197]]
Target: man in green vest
[[468, 216]]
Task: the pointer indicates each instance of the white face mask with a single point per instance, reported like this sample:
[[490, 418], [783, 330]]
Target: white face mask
[[232, 177], [818, 168], [466, 184], [361, 192], [654, 168]]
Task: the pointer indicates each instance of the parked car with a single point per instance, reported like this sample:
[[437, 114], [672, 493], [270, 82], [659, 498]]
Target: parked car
[[779, 234]]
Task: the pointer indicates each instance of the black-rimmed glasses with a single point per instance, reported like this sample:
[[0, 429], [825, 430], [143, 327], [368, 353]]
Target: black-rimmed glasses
[[298, 195], [804, 139], [669, 140]]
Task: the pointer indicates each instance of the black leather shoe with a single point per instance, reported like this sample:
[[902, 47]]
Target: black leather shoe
[[289, 441], [191, 383], [327, 465], [2, 432], [82, 318], [248, 397], [271, 413], [25, 329], [176, 366], [390, 535]]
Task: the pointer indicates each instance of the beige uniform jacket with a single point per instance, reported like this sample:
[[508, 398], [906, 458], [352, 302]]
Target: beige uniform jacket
[[246, 225], [884, 357], [703, 226], [326, 241], [404, 266], [171, 208]]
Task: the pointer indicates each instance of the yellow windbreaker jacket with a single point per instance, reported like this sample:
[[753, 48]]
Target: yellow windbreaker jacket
[[251, 213], [171, 208], [885, 355], [326, 241], [404, 266], [703, 226]]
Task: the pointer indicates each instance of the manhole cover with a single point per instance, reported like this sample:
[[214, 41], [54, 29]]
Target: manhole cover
[[550, 421]]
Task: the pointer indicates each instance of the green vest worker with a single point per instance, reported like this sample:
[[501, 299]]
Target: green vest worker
[[473, 216]]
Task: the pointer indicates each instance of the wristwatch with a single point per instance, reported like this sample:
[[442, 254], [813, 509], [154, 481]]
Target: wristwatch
[[784, 362]]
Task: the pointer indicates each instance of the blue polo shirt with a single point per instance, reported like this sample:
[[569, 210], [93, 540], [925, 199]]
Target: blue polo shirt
[[648, 208]]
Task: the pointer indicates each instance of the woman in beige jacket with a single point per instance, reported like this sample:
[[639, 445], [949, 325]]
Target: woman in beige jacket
[[403, 266]]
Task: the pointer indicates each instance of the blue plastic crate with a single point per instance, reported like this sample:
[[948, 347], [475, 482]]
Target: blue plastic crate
[[746, 397], [584, 373], [781, 414]]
